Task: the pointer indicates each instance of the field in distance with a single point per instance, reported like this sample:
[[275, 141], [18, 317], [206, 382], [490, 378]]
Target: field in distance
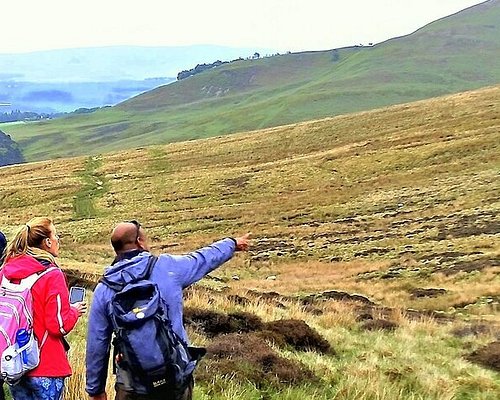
[[389, 215]]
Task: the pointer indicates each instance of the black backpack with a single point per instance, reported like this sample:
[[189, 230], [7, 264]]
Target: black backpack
[[146, 347]]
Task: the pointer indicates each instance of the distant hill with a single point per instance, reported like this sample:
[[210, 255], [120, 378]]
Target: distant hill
[[453, 54], [56, 97], [9, 151]]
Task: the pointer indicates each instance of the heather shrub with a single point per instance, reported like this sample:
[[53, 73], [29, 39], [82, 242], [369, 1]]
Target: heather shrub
[[379, 324], [212, 323], [247, 357], [487, 356], [298, 334]]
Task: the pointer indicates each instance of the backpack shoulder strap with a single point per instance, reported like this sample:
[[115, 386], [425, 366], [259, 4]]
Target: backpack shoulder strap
[[26, 283], [147, 272], [149, 268]]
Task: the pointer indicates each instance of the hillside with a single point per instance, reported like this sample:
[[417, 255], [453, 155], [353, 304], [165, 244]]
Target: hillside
[[410, 185], [379, 230], [453, 54]]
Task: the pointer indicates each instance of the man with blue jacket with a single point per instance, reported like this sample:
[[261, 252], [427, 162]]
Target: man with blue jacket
[[172, 274]]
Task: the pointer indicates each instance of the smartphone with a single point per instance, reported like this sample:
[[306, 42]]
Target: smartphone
[[76, 294]]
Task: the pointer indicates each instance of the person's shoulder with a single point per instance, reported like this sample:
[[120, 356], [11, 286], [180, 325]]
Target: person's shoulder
[[102, 293], [51, 271], [164, 260], [51, 279], [167, 263], [101, 288]]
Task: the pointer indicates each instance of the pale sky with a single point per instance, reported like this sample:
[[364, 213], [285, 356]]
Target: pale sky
[[282, 25]]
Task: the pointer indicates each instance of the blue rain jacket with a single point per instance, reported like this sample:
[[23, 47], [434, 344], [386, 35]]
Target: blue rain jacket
[[172, 274]]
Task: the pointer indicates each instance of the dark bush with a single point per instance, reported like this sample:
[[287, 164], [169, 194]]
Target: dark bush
[[309, 308], [246, 357], [379, 324], [299, 335], [419, 292], [273, 337], [236, 299], [245, 322], [364, 317], [471, 330], [213, 324], [265, 295], [487, 356]]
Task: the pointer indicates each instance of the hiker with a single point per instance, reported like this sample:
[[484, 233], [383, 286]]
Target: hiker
[[32, 254], [170, 274]]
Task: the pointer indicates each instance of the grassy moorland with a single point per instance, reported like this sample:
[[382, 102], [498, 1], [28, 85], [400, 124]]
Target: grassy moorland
[[379, 230], [454, 54]]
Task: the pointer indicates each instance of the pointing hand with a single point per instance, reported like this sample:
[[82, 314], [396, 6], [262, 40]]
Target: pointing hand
[[243, 242]]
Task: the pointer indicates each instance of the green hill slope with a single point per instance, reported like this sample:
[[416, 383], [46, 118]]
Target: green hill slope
[[453, 54]]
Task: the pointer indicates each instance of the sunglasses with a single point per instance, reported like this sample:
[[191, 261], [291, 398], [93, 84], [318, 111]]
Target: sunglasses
[[138, 227]]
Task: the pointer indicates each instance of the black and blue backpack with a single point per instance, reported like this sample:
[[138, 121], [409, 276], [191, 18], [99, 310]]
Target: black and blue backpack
[[146, 347]]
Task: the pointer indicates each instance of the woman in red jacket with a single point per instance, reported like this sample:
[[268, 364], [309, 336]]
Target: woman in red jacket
[[32, 251]]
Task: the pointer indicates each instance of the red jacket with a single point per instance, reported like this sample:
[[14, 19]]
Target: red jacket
[[52, 313]]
